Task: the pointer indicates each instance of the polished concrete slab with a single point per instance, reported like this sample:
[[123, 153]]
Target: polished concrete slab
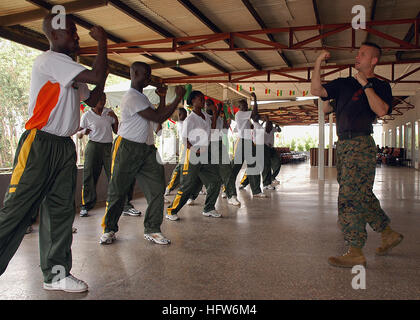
[[274, 248]]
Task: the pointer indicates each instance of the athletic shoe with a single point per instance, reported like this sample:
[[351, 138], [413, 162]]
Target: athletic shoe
[[68, 284], [157, 238], [167, 192], [107, 238], [131, 212], [269, 188], [260, 195], [275, 182], [234, 201], [212, 213], [172, 217], [224, 195], [83, 213], [190, 202]]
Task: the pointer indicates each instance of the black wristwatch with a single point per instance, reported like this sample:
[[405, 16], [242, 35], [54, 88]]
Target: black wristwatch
[[368, 85]]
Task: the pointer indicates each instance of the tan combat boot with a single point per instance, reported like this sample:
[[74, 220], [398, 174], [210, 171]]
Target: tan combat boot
[[353, 257], [390, 239]]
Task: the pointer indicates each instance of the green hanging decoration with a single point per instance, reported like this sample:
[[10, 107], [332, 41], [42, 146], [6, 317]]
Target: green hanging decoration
[[188, 88]]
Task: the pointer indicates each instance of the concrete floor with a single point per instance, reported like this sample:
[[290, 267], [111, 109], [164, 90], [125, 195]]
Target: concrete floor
[[275, 248]]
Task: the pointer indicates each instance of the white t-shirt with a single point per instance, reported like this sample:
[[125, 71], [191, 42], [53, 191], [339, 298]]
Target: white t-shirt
[[269, 138], [258, 133], [54, 98], [243, 124], [152, 129], [132, 126], [217, 133], [100, 125], [197, 130]]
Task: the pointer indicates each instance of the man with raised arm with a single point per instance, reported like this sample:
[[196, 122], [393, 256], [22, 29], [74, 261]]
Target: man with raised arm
[[134, 156], [359, 101], [44, 171]]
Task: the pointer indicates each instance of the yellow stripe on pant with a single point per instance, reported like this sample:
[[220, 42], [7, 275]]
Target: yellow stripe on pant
[[243, 178], [114, 155], [171, 183], [186, 162], [175, 203], [22, 159]]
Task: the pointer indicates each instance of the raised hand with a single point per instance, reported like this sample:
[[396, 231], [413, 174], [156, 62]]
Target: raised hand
[[180, 91], [98, 33], [161, 91], [325, 55], [361, 78]]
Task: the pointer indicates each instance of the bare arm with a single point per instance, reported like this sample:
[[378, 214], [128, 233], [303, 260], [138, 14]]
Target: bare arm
[[98, 73], [377, 105], [316, 86], [327, 107], [161, 114], [254, 114]]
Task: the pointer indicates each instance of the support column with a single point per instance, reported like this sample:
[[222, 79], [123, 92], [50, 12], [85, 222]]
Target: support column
[[321, 144], [330, 148]]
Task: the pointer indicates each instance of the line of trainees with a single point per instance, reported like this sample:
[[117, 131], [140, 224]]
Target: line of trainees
[[44, 172]]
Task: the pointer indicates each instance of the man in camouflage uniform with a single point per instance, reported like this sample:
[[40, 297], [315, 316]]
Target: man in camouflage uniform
[[359, 100]]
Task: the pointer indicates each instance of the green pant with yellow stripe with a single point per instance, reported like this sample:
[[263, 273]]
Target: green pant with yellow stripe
[[44, 176], [239, 158], [207, 173], [135, 161], [98, 156]]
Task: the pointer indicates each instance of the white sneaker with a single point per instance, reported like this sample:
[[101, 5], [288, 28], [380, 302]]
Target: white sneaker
[[107, 238], [269, 187], [190, 202], [157, 238], [83, 213], [260, 195], [132, 212], [275, 182], [68, 284], [167, 192], [224, 195], [172, 217], [212, 213], [234, 201]]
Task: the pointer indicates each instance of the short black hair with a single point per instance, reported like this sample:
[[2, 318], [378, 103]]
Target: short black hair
[[373, 45], [192, 95], [182, 110], [137, 64]]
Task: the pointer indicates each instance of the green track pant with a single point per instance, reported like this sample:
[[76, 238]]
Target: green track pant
[[272, 165], [44, 176], [98, 156], [207, 173], [239, 158], [135, 161]]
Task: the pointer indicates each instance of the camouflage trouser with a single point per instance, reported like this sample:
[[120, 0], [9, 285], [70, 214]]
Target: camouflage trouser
[[357, 205]]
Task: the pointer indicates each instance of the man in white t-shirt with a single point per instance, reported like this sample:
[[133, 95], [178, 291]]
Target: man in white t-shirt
[[133, 157], [245, 150], [99, 123], [44, 172], [176, 173], [272, 161]]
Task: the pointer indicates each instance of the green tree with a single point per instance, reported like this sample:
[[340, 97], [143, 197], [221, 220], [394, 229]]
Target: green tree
[[15, 74]]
